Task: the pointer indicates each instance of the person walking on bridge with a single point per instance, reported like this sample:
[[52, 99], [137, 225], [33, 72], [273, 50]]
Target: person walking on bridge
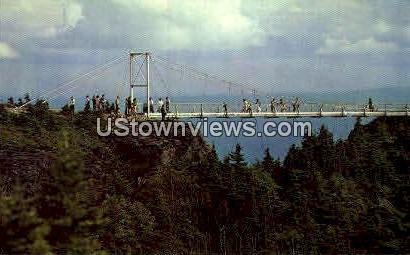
[[282, 104], [272, 105], [135, 105], [244, 105], [117, 105], [297, 104], [167, 104], [151, 104], [370, 105], [258, 105], [127, 106], [163, 112], [225, 107], [160, 104]]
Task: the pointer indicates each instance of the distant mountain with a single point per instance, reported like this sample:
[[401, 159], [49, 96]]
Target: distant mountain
[[398, 95], [388, 95]]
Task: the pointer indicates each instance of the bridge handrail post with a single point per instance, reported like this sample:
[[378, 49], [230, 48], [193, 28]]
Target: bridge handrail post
[[343, 111], [176, 110], [202, 111], [321, 110], [407, 110], [385, 109]]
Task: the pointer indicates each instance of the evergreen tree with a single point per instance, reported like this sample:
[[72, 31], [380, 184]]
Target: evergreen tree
[[236, 158], [64, 203], [20, 102], [10, 101], [267, 162], [22, 231], [27, 98]]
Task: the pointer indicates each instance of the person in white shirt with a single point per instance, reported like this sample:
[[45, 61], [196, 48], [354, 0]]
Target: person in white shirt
[[71, 104], [151, 104], [160, 104]]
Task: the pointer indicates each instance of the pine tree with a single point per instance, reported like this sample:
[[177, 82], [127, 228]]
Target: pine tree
[[27, 98], [267, 162], [22, 231], [64, 203], [20, 102], [10, 101], [236, 158]]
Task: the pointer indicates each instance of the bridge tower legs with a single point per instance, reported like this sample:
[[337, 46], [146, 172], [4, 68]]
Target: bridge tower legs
[[133, 75]]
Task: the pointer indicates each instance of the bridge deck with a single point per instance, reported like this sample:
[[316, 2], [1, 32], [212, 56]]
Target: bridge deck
[[157, 115]]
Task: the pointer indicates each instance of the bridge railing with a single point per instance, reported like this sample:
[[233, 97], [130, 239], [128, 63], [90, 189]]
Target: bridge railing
[[304, 107], [198, 107]]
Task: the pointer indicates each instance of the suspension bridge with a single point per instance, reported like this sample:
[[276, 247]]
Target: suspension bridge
[[143, 79]]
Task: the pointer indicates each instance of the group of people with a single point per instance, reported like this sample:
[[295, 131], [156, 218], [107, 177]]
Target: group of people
[[247, 106], [131, 106], [96, 104], [274, 105], [100, 104]]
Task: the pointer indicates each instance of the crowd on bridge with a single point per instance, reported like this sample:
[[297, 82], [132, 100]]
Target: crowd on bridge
[[274, 105], [99, 104]]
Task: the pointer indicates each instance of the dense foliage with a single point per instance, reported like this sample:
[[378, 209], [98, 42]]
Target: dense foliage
[[64, 189]]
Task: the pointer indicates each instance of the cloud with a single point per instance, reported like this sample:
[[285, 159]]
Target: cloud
[[365, 46], [40, 18], [67, 35], [193, 25], [173, 24], [7, 52]]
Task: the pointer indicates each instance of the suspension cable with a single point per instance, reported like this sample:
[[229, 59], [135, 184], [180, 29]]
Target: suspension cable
[[84, 75]]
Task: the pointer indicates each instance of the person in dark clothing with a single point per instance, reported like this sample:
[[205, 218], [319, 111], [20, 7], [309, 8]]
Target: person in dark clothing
[[87, 104], [258, 105], [127, 106], [282, 104], [94, 101], [163, 112], [370, 105], [297, 104], [117, 105], [273, 105], [167, 103], [225, 107], [97, 103], [102, 103]]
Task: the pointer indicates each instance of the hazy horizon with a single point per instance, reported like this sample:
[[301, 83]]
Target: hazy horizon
[[275, 46]]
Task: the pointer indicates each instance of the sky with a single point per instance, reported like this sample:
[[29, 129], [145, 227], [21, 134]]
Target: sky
[[276, 46]]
